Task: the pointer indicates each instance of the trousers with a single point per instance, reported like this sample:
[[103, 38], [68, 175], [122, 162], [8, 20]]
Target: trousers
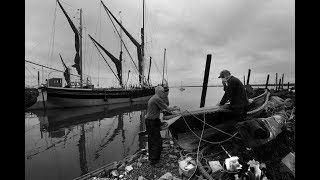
[[154, 139]]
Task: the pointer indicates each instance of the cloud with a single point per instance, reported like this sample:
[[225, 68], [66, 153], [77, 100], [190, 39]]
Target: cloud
[[243, 34]]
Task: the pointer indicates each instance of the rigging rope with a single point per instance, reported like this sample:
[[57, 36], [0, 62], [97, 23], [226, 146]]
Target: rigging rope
[[122, 42], [210, 142], [51, 48], [219, 142], [106, 61], [74, 9], [207, 124], [30, 72]]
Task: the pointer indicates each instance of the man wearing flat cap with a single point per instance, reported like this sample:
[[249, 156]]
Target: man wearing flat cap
[[235, 93]]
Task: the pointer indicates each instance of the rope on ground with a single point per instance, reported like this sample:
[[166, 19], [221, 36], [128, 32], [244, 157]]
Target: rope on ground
[[201, 168], [204, 118]]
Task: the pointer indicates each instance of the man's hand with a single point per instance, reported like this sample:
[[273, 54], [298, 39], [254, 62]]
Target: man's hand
[[176, 108]]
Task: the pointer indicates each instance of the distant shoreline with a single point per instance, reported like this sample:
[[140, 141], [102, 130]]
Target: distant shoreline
[[285, 85]]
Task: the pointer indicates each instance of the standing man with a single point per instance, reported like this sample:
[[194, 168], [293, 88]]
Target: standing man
[[153, 124], [235, 93]]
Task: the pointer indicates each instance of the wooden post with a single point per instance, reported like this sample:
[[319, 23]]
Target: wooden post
[[205, 81], [38, 79], [276, 85], [288, 85], [149, 71], [244, 80], [164, 63], [248, 78], [267, 82], [282, 81], [279, 84]]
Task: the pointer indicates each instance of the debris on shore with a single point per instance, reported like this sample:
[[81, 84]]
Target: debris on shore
[[273, 159]]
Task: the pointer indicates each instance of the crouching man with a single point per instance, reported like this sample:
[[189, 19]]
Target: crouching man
[[153, 124]]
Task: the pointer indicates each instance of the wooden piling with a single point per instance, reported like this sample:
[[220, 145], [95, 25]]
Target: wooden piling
[[248, 78], [282, 81], [279, 84], [164, 63], [149, 70], [244, 80], [205, 81], [288, 85], [38, 79], [276, 84], [267, 82]]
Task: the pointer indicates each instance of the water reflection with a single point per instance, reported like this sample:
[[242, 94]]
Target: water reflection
[[66, 143], [99, 135]]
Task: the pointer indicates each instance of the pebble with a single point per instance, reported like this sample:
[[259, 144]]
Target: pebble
[[129, 168], [166, 176], [122, 167], [115, 173], [141, 178], [172, 156], [173, 165], [139, 164], [165, 145]]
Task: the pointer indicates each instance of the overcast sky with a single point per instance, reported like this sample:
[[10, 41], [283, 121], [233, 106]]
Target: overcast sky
[[240, 34]]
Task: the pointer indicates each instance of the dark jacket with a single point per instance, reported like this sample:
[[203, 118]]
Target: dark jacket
[[236, 94]]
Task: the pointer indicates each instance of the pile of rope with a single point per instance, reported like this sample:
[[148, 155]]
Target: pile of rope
[[204, 170]]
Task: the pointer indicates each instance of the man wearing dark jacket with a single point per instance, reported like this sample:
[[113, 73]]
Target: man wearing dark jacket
[[153, 124], [235, 93]]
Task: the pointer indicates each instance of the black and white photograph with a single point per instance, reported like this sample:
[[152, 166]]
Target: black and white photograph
[[159, 90]]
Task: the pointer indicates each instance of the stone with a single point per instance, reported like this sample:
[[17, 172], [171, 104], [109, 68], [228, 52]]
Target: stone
[[289, 162], [172, 156], [115, 173], [134, 164], [141, 178], [215, 166], [165, 145], [129, 168], [122, 167], [175, 178], [166, 176], [139, 164]]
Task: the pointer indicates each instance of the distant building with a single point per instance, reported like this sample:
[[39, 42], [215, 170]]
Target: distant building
[[55, 82]]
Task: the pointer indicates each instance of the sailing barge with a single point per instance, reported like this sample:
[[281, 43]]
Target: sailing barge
[[84, 94]]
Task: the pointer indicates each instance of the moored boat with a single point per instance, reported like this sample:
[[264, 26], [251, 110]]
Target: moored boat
[[80, 94], [192, 119]]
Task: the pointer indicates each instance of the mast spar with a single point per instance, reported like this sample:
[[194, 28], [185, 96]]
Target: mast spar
[[138, 45], [142, 45], [80, 46]]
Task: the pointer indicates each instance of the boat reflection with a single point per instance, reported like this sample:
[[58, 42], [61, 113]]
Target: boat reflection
[[52, 120], [106, 133]]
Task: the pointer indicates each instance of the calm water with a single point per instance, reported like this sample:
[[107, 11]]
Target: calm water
[[67, 143]]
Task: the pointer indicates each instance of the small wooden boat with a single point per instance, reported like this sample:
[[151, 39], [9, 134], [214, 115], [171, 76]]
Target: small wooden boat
[[192, 120]]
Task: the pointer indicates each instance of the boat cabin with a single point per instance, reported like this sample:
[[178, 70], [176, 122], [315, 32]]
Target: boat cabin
[[55, 82]]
